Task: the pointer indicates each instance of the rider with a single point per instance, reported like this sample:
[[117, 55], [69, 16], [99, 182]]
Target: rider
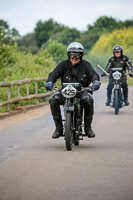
[[119, 61], [73, 70]]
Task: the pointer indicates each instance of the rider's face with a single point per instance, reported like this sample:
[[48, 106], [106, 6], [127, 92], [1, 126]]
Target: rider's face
[[117, 54], [74, 58]]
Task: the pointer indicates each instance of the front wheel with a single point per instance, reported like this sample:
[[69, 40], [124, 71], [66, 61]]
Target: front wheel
[[116, 101], [68, 131]]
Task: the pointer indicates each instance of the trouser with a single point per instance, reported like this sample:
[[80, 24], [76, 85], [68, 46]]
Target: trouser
[[123, 85], [86, 102]]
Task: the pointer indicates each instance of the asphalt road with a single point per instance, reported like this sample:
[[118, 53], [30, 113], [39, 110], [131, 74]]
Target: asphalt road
[[33, 166]]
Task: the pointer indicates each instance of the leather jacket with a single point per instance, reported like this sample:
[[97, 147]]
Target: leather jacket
[[122, 62], [82, 73]]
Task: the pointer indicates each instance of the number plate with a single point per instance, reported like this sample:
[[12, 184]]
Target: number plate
[[69, 91], [117, 75]]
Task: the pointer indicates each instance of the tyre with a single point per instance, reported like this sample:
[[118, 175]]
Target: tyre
[[116, 101], [68, 131]]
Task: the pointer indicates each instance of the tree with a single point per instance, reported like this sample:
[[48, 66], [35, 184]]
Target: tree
[[106, 42], [128, 23], [105, 23], [101, 25], [69, 35], [3, 25], [28, 43], [56, 50], [44, 30], [8, 36], [14, 33]]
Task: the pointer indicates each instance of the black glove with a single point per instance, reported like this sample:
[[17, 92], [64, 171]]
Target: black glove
[[49, 86], [95, 85], [131, 74], [103, 74]]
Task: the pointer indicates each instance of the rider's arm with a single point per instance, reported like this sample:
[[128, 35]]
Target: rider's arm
[[109, 65], [56, 73], [129, 65]]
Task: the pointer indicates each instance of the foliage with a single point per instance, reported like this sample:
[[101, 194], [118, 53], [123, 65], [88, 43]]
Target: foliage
[[11, 34], [102, 25], [17, 65], [3, 25], [28, 43], [7, 57], [123, 37], [68, 35], [44, 30], [56, 50]]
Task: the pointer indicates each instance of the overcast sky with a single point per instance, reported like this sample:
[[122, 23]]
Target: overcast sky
[[24, 14]]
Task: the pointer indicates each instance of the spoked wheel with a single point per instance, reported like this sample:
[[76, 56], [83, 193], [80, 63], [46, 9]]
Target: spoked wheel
[[68, 131], [116, 101]]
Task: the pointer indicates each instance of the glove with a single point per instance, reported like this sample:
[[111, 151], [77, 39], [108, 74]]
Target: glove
[[95, 85], [103, 74], [49, 86], [131, 74]]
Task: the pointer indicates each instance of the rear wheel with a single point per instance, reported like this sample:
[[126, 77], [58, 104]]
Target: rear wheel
[[116, 101], [68, 131]]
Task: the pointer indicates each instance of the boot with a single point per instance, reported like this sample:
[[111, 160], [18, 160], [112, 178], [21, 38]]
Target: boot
[[126, 102], [125, 94], [109, 93], [87, 129], [59, 128], [108, 102]]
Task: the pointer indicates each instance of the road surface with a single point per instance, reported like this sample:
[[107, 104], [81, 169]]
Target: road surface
[[33, 166]]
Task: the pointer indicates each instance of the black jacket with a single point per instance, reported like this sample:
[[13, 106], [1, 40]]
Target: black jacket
[[81, 73], [122, 62]]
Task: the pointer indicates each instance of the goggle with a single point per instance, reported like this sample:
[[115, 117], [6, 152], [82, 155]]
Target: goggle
[[117, 51], [75, 55]]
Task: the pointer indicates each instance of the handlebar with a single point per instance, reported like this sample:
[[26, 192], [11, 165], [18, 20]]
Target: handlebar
[[98, 66], [88, 89], [113, 69]]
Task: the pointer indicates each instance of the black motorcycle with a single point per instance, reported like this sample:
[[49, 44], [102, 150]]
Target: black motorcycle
[[118, 97], [73, 113]]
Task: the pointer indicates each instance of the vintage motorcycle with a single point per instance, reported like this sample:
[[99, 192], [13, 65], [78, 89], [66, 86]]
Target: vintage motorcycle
[[118, 98], [73, 113]]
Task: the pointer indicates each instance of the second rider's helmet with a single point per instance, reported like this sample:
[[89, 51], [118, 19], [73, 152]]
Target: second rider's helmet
[[117, 48], [75, 47]]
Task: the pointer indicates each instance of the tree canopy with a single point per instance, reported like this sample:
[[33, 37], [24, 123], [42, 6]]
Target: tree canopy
[[50, 30], [123, 37]]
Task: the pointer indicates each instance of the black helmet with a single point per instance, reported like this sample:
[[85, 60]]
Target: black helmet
[[117, 48], [75, 47]]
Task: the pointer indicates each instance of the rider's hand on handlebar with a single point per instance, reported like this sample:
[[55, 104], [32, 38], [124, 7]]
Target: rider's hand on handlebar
[[95, 85], [131, 74], [49, 86], [103, 74]]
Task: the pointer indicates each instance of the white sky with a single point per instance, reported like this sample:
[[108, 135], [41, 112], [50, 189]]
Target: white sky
[[24, 14]]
